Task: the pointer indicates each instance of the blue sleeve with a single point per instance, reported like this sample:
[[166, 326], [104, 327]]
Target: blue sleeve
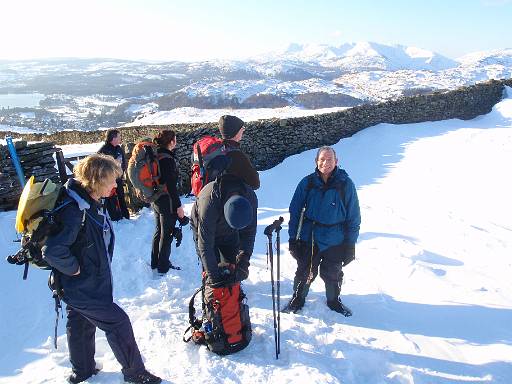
[[296, 205], [57, 249], [353, 217]]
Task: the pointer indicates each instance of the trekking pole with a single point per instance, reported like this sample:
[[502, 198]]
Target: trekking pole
[[271, 258], [15, 160], [278, 246], [275, 226]]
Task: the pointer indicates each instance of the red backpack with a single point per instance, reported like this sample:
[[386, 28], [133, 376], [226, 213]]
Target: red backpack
[[225, 325], [209, 160]]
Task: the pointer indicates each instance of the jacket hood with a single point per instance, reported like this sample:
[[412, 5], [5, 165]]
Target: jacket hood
[[78, 193]]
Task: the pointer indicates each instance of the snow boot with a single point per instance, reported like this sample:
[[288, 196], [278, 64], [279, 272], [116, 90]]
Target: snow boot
[[143, 378], [338, 306], [298, 299], [75, 378]]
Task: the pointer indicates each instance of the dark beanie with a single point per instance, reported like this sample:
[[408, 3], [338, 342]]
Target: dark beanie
[[238, 212], [229, 126]]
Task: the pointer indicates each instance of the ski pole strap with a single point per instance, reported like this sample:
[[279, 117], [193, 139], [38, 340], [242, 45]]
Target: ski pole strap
[[25, 270], [58, 307]]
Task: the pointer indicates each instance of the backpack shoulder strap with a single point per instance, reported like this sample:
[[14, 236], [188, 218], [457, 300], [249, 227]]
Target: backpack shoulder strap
[[339, 185], [194, 322]]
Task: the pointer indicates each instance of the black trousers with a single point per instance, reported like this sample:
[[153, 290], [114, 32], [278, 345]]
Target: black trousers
[[121, 198], [165, 220], [81, 330], [116, 205], [331, 273]]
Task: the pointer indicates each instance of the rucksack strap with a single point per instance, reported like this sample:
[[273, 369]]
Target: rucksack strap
[[194, 322], [338, 185]]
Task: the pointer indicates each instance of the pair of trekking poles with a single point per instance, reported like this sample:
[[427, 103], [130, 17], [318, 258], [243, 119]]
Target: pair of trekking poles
[[276, 293]]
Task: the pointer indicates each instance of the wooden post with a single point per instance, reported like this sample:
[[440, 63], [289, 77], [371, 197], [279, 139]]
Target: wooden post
[[60, 166]]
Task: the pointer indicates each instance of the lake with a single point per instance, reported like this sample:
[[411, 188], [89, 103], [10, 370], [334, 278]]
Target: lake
[[20, 100]]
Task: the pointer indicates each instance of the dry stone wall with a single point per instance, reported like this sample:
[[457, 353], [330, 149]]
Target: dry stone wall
[[268, 142], [36, 160]]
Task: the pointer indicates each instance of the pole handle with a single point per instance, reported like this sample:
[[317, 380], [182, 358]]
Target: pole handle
[[275, 226]]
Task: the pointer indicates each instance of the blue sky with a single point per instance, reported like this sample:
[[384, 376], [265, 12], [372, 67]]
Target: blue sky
[[196, 30]]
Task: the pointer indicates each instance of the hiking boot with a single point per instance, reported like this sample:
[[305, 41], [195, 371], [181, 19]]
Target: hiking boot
[[75, 378], [295, 304], [143, 378], [338, 306]]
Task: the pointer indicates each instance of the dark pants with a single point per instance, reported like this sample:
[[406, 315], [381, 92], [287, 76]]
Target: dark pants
[[81, 328], [329, 261], [116, 204], [121, 198], [165, 221]]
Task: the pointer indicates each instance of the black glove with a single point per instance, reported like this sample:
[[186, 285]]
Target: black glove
[[348, 254], [177, 233], [225, 279], [295, 248], [242, 266], [183, 221]]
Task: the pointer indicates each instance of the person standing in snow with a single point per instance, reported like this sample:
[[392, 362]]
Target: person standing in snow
[[232, 129], [116, 204], [323, 228], [168, 207], [81, 255]]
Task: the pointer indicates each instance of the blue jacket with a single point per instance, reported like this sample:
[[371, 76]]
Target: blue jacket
[[331, 219], [85, 240]]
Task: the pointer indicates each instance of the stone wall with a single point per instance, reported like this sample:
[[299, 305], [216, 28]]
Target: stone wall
[[269, 142], [35, 159]]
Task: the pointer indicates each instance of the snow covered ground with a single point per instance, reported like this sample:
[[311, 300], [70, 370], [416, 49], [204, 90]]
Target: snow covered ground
[[195, 115], [430, 289]]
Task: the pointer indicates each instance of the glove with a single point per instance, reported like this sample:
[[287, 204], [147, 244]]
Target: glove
[[295, 248], [226, 277], [177, 233], [183, 221], [242, 266], [348, 254]]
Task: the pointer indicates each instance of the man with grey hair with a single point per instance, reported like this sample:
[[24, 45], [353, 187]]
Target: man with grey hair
[[323, 228]]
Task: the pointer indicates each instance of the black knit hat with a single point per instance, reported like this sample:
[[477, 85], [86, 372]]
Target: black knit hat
[[238, 212], [229, 126]]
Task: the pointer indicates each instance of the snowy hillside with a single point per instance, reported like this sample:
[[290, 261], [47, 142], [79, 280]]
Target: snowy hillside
[[430, 288], [99, 93]]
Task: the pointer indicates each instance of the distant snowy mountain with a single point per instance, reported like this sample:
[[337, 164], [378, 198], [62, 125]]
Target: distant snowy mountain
[[366, 56]]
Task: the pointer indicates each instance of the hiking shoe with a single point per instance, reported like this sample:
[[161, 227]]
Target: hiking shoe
[[295, 304], [338, 306], [143, 378], [75, 378]]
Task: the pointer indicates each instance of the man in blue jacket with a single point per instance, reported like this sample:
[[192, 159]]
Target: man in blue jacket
[[324, 226]]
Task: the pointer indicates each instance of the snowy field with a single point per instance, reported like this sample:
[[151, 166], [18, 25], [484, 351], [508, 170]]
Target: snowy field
[[195, 115], [431, 287]]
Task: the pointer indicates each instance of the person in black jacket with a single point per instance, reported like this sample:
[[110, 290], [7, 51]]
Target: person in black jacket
[[168, 207], [81, 254], [116, 204], [224, 223], [232, 129]]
